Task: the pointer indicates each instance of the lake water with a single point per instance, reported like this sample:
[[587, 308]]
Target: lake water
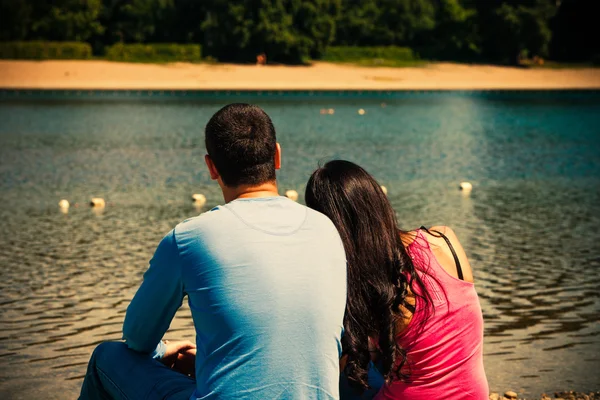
[[530, 225]]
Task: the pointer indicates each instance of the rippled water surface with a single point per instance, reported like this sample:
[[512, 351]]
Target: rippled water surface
[[530, 226]]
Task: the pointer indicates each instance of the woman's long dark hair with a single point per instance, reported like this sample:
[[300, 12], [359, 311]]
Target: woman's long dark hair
[[380, 271]]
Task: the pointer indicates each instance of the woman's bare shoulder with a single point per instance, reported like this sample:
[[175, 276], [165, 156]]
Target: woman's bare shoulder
[[408, 237], [444, 254]]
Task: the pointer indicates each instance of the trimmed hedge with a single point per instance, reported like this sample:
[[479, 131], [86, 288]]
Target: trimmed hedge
[[159, 52], [41, 50], [355, 53]]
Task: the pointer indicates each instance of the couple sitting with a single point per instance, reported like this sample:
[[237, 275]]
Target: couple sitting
[[285, 297]]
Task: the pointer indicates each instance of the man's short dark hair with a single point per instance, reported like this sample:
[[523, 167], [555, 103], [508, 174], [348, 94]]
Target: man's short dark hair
[[240, 140]]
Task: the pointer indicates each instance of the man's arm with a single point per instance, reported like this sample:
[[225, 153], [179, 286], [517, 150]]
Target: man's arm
[[157, 300]]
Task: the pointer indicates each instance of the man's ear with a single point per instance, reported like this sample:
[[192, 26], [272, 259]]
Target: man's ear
[[277, 156], [214, 174]]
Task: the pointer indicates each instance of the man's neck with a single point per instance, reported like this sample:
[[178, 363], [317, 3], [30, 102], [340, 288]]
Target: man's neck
[[267, 189]]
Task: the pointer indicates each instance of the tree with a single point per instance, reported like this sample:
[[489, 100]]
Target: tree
[[315, 22], [72, 20], [357, 23], [576, 31], [138, 21], [291, 31], [535, 34], [15, 19], [186, 22], [286, 30], [511, 28], [455, 36], [227, 30], [385, 22], [408, 21]]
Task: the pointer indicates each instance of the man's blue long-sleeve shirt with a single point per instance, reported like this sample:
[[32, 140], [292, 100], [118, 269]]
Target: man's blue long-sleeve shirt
[[266, 285]]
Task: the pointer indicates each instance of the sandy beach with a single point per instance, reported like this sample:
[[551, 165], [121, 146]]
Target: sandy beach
[[319, 76]]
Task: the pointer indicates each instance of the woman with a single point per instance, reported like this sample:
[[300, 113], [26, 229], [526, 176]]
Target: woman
[[412, 308]]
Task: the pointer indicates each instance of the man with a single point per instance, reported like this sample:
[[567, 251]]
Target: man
[[266, 284]]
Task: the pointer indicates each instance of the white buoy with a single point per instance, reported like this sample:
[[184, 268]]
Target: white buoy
[[465, 186], [97, 202], [384, 190], [64, 204], [292, 195], [361, 111], [199, 199]]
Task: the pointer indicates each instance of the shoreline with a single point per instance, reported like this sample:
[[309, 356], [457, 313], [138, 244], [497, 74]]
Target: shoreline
[[107, 75], [560, 395]]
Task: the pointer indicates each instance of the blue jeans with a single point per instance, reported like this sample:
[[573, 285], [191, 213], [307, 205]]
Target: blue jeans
[[116, 372], [376, 381]]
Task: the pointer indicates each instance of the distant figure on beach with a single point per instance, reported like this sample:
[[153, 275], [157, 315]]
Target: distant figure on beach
[[265, 279], [413, 325], [261, 59]]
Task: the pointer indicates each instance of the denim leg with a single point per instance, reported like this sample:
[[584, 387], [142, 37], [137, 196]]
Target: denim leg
[[376, 381], [116, 372]]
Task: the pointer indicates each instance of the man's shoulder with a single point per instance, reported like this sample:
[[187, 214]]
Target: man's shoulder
[[319, 218], [221, 218], [202, 221], [323, 225]]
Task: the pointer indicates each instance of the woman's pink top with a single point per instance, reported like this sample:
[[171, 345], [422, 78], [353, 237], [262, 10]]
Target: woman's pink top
[[444, 348]]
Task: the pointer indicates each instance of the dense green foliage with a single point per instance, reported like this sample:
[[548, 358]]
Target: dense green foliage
[[575, 31], [350, 53], [389, 56], [60, 20], [513, 28], [455, 36], [289, 31], [165, 52], [293, 31], [38, 50], [385, 22]]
